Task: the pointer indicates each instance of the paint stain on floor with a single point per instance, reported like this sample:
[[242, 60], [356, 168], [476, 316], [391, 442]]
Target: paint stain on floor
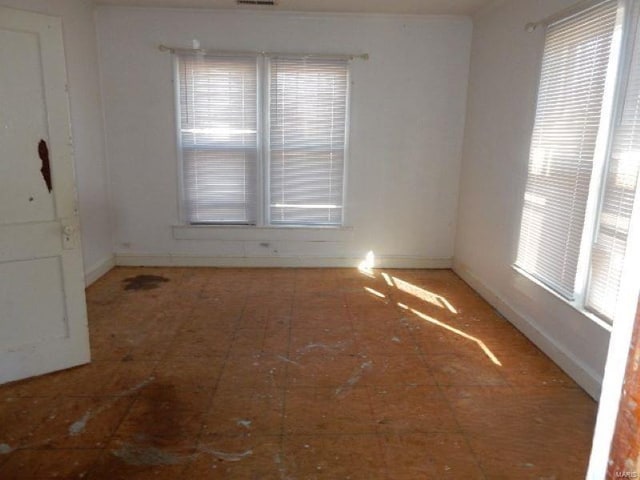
[[146, 455]]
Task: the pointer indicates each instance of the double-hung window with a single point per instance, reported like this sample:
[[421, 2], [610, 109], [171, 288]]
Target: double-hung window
[[263, 139], [219, 138], [580, 212]]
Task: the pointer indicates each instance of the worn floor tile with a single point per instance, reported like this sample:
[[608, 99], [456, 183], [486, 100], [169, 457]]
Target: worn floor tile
[[111, 378], [313, 410], [533, 369], [238, 411], [165, 417], [19, 417], [404, 409], [389, 339], [202, 372], [272, 340], [266, 312], [259, 370], [140, 459], [354, 457], [195, 341], [47, 463], [522, 414], [505, 457], [430, 455], [401, 369], [321, 368], [80, 422], [435, 339], [214, 373], [239, 457], [51, 385], [337, 340], [470, 369]]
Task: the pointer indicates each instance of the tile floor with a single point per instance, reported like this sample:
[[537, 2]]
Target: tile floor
[[297, 374]]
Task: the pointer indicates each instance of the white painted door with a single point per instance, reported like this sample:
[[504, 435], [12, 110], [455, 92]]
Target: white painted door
[[43, 320]]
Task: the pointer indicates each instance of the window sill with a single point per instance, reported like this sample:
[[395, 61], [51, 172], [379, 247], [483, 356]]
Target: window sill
[[253, 233], [580, 309]]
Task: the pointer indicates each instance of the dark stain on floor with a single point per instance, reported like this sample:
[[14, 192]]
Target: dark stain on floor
[[144, 282]]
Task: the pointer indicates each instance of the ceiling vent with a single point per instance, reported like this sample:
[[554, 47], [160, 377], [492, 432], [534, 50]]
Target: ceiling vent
[[262, 3]]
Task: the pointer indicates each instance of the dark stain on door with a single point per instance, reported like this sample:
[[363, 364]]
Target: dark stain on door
[[45, 170]]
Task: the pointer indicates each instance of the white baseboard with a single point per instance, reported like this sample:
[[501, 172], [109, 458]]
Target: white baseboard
[[589, 380], [97, 270], [169, 260]]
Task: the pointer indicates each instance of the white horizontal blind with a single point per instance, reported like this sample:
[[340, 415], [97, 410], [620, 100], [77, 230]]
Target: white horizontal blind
[[218, 125], [610, 247], [308, 108], [574, 70]]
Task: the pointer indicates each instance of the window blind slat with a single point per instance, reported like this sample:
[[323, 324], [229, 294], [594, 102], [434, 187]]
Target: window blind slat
[[308, 106], [571, 91], [218, 125], [610, 246]]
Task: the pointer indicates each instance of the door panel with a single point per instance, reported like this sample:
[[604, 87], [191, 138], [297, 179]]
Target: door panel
[[43, 322], [23, 193], [26, 321]]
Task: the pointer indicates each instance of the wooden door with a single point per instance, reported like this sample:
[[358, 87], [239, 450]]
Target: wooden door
[[43, 321]]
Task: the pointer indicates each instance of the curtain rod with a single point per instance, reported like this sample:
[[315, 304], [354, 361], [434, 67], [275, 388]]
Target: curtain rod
[[573, 9], [203, 51]]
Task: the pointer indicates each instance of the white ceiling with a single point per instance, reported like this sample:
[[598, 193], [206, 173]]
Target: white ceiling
[[424, 7]]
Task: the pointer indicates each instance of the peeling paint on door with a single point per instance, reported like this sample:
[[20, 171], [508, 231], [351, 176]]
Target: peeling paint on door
[[45, 170]]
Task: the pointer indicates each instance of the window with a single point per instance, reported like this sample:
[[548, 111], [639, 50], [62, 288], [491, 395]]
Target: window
[[584, 158], [611, 249], [308, 102], [218, 126], [263, 140]]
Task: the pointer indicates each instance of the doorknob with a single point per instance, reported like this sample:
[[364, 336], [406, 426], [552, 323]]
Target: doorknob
[[69, 237]]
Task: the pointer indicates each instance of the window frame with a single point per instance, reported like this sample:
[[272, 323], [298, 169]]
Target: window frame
[[184, 211], [617, 71], [628, 289], [263, 82], [613, 103], [267, 70]]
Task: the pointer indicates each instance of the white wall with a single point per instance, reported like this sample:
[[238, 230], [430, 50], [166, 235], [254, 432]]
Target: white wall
[[501, 108], [407, 122], [78, 25]]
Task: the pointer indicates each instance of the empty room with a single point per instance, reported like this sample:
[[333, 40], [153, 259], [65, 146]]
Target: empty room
[[319, 239]]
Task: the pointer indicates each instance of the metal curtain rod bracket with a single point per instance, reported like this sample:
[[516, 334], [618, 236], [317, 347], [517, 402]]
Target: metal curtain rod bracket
[[203, 51]]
